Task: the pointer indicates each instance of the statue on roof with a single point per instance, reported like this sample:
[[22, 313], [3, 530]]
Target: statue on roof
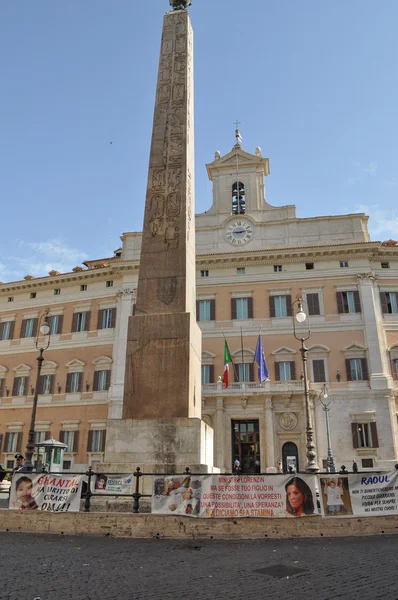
[[180, 4]]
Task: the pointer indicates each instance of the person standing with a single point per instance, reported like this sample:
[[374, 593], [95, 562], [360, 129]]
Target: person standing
[[354, 466], [19, 465]]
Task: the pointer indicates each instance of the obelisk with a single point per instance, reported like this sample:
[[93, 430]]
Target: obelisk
[[162, 394]]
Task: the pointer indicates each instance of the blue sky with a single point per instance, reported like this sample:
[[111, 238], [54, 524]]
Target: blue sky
[[315, 84]]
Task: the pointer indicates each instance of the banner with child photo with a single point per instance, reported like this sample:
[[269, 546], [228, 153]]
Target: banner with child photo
[[45, 492]]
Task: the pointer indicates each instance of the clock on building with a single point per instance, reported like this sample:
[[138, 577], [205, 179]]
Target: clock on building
[[239, 231]]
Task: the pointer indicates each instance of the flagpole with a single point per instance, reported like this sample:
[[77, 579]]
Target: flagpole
[[241, 345]]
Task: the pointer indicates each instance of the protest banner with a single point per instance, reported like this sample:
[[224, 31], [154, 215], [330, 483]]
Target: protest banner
[[219, 496], [46, 492], [359, 495], [112, 484]]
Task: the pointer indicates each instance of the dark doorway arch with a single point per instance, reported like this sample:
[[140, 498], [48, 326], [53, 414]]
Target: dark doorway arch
[[290, 456]]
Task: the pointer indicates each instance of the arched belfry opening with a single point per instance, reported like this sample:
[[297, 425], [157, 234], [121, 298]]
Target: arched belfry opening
[[238, 198]]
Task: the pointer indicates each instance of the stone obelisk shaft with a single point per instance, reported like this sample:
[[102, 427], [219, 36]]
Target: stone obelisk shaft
[[164, 341]]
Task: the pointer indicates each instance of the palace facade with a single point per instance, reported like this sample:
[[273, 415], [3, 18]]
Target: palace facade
[[253, 260]]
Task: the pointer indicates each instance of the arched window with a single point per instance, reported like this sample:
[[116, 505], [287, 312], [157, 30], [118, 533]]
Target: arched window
[[238, 198]]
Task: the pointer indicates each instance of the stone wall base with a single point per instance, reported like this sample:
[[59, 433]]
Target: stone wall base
[[168, 527]]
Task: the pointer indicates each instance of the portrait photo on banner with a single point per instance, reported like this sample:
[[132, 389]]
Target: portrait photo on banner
[[335, 496]]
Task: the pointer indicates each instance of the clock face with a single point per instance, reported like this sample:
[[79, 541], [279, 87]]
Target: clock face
[[239, 232]]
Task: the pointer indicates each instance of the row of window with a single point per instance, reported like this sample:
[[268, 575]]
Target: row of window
[[95, 440], [80, 322], [356, 370], [281, 306], [74, 384], [278, 268], [57, 291]]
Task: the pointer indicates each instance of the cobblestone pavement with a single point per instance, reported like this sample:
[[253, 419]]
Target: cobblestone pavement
[[66, 567]]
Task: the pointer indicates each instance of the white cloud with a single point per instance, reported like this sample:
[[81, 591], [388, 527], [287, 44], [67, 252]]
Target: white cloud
[[382, 223], [57, 249], [361, 171]]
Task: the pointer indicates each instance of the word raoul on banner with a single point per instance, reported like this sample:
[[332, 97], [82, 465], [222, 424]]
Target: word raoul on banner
[[235, 496], [51, 493]]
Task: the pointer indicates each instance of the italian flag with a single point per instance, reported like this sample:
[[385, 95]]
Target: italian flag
[[227, 360]]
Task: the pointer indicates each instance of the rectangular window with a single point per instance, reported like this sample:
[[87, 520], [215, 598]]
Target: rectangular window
[[284, 371], [107, 318], [20, 386], [318, 367], [57, 292], [309, 266], [81, 321], [12, 441], [356, 369], [28, 330], [395, 368], [40, 436], [245, 372], [367, 463], [10, 299], [206, 374], [54, 324], [83, 287], [97, 441], [389, 302], [204, 310], [277, 268], [33, 294], [6, 330], [364, 435], [74, 382], [241, 270], [69, 439], [66, 465], [313, 304], [46, 384], [280, 306], [343, 264], [348, 302], [102, 381], [385, 265], [204, 273], [109, 284], [242, 308]]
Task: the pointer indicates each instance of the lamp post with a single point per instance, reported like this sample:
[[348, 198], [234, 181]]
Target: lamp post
[[324, 399], [301, 317], [43, 330]]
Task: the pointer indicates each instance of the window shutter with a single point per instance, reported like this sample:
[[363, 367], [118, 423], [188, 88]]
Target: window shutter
[[394, 368], [113, 318], [68, 383], [250, 309], [99, 320], [60, 323], [23, 325], [74, 322], [357, 302], [271, 306], [348, 368], [87, 323], [95, 382], [90, 441], [355, 438], [34, 328], [277, 372], [108, 379], [293, 370], [365, 370], [1, 330], [12, 327], [2, 386], [197, 310], [61, 436], [25, 386], [52, 383], [318, 367], [212, 310], [383, 301], [103, 441], [6, 441], [289, 306], [1, 440], [41, 384], [251, 372], [313, 304], [19, 441], [15, 386], [80, 382], [233, 308], [373, 431], [211, 373], [76, 442], [340, 305]]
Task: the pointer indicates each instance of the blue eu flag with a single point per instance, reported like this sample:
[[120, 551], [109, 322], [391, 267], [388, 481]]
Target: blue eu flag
[[260, 360]]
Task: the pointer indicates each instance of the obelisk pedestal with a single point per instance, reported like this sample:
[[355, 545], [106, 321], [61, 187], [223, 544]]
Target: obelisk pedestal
[[161, 429]]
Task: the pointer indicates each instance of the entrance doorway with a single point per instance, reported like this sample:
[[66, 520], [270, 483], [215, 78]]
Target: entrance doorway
[[290, 457], [246, 445]]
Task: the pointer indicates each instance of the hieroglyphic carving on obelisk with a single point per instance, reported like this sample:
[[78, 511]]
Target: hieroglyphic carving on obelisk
[[164, 340]]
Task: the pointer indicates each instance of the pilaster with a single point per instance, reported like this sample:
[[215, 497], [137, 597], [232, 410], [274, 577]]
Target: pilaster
[[269, 437]]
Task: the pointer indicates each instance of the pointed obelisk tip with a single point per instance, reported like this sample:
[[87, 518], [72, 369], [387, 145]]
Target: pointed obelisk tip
[[180, 4]]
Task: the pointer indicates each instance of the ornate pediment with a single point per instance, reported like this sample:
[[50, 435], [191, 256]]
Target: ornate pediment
[[244, 159]]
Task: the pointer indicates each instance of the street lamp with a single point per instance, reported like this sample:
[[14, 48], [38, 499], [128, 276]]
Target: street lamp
[[301, 317], [324, 399], [43, 330]]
